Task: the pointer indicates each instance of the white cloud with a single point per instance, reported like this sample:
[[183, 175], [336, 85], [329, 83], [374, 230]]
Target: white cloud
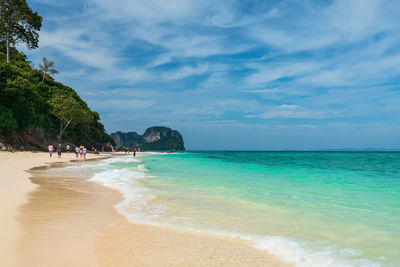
[[121, 104], [71, 44], [150, 11], [291, 111], [340, 23], [186, 71], [263, 91], [329, 58], [266, 73]]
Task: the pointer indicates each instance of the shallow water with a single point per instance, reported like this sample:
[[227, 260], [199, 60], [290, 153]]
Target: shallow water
[[308, 208]]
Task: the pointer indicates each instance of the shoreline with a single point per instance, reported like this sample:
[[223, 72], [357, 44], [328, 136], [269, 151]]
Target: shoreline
[[151, 245], [15, 187], [43, 232]]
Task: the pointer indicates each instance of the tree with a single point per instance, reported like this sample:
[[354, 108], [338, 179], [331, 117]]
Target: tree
[[27, 103], [67, 109], [46, 68], [18, 23], [7, 120]]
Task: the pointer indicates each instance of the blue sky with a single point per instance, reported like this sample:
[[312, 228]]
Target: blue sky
[[228, 74]]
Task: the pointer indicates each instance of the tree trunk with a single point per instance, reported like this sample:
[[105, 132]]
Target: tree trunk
[[61, 131], [8, 40], [8, 47]]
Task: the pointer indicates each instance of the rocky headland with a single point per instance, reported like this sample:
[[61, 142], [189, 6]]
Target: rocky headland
[[154, 138]]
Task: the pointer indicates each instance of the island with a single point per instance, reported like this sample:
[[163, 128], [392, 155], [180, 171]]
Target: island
[[154, 138]]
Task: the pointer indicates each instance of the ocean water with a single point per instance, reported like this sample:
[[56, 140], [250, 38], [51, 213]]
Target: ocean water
[[307, 208]]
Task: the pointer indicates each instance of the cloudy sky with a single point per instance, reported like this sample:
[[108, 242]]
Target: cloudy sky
[[295, 74]]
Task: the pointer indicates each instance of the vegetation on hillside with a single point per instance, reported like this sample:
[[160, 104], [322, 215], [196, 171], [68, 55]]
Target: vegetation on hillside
[[26, 100], [168, 143], [154, 138], [31, 98]]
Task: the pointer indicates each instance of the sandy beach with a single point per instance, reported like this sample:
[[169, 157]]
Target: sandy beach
[[62, 221], [15, 188]]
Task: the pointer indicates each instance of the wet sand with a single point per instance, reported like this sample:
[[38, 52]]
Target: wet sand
[[65, 221], [14, 189], [126, 244], [59, 221]]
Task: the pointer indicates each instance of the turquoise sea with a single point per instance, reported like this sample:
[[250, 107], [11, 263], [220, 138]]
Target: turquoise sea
[[307, 208]]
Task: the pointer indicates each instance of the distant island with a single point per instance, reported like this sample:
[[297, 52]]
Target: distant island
[[154, 138]]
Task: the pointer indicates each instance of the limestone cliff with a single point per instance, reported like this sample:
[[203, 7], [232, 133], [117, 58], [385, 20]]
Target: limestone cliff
[[154, 138]]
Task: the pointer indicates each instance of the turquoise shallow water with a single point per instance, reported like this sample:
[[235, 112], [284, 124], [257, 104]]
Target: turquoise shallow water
[[308, 208]]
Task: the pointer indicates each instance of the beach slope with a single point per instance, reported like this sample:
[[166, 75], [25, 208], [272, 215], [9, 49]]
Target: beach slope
[[15, 187], [52, 220]]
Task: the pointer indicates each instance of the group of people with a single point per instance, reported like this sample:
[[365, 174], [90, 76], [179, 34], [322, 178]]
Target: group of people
[[79, 151], [127, 151]]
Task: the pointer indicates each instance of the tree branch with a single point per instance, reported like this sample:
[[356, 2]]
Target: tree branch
[[67, 124]]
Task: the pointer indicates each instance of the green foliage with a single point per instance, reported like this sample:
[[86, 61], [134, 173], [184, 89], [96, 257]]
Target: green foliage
[[18, 23], [7, 120], [168, 143], [27, 101], [67, 109]]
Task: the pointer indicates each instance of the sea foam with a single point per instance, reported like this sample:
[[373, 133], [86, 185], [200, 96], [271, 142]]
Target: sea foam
[[136, 208]]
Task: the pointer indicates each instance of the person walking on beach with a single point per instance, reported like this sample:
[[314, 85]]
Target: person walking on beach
[[59, 150], [51, 149], [76, 151], [84, 152], [68, 147], [134, 152], [81, 151]]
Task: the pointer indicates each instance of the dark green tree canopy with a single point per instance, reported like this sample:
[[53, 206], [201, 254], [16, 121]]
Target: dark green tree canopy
[[18, 23], [26, 101], [7, 120], [67, 109]]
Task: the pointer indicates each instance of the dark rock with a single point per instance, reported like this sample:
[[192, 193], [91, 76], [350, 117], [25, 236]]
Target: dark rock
[[38, 139], [130, 139], [32, 139], [154, 138], [4, 146]]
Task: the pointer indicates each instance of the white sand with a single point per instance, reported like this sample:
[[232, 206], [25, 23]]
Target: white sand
[[57, 222], [14, 189]]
